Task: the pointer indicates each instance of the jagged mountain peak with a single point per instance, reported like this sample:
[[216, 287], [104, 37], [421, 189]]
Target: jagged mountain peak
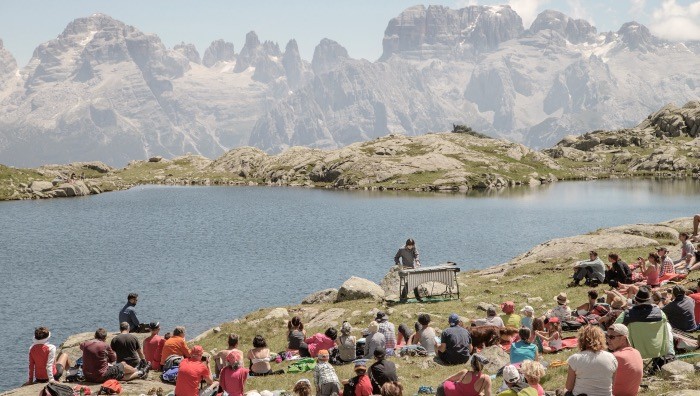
[[189, 51], [218, 51], [328, 54], [575, 31], [637, 37]]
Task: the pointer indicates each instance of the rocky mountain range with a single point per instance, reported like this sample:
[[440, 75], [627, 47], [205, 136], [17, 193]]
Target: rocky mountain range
[[103, 90]]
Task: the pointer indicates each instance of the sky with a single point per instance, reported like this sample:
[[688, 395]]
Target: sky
[[358, 25]]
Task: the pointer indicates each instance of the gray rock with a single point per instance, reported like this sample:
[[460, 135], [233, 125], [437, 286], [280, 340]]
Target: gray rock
[[677, 367], [482, 306], [277, 313], [358, 288], [322, 296], [40, 186], [218, 51], [190, 52], [328, 55], [328, 318], [157, 158], [390, 282], [497, 358]]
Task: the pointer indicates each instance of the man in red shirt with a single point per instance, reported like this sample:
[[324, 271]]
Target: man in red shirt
[[153, 346], [630, 366], [44, 365], [100, 361], [191, 372], [696, 297]]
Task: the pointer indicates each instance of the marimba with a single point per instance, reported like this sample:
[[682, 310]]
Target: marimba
[[446, 274]]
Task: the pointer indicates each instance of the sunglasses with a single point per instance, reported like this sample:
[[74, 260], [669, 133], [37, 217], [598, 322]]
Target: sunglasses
[[612, 337]]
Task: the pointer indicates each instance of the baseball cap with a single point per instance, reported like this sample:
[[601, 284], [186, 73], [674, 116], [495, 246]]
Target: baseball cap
[[511, 374], [453, 320]]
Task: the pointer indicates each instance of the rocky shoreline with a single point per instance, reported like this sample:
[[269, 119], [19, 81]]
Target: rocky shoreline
[[329, 307]]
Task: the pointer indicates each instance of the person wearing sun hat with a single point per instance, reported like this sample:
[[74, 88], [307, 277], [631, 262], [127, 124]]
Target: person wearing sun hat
[[191, 372], [528, 315], [325, 378], [509, 317], [681, 311], [630, 366], [562, 310], [455, 346], [517, 386], [649, 332], [233, 376]]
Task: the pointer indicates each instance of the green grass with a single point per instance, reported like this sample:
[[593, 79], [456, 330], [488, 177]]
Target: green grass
[[548, 278]]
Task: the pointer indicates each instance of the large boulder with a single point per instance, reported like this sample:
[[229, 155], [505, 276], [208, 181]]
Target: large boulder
[[677, 367], [390, 283], [40, 186], [329, 318], [497, 358], [359, 289], [277, 313], [321, 296]]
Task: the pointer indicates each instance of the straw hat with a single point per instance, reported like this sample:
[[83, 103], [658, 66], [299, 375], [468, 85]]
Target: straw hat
[[562, 298]]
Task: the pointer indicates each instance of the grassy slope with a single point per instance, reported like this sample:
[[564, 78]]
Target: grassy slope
[[477, 286]]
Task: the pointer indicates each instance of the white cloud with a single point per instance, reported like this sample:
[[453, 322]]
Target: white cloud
[[527, 9], [637, 7], [578, 11], [465, 3], [673, 21]]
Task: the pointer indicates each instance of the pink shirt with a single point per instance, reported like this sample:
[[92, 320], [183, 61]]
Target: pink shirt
[[232, 381], [652, 275], [696, 298], [630, 368], [318, 342]]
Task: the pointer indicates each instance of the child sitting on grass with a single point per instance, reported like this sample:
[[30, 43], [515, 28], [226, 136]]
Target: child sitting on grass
[[553, 336]]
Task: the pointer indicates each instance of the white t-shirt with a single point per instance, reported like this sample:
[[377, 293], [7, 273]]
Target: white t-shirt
[[594, 372]]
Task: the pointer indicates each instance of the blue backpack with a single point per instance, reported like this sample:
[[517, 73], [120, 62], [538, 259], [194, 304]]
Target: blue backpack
[[170, 376]]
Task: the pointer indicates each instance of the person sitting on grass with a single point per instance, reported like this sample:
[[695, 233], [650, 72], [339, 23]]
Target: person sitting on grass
[[346, 344], [393, 388], [259, 357], [533, 371], [233, 375], [387, 328], [325, 378], [667, 268], [455, 347], [100, 361], [523, 349], [319, 341], [593, 271], [649, 331], [618, 271], [381, 371], [404, 336], [374, 340], [587, 307], [296, 336], [491, 318], [617, 307], [470, 381], [360, 384], [192, 372], [517, 386], [527, 318], [553, 336], [651, 269], [509, 317], [44, 364], [681, 311], [687, 253], [592, 370], [630, 366], [537, 327], [303, 387], [426, 335], [220, 358], [562, 310]]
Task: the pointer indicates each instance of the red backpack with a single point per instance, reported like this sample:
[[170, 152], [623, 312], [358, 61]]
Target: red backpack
[[110, 387]]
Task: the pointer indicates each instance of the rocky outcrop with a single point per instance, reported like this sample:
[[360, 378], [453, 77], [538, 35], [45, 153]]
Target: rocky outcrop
[[218, 51], [328, 55], [190, 52], [321, 296], [575, 31], [359, 289], [8, 67]]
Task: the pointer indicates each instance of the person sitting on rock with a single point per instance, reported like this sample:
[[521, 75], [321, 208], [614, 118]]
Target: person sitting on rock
[[387, 328], [382, 371], [618, 271], [100, 361], [175, 345], [153, 346], [630, 367], [296, 336], [319, 341], [127, 348], [491, 318], [128, 313], [346, 344], [509, 317], [592, 270], [681, 311], [325, 378], [562, 310], [192, 372], [455, 346], [426, 335], [233, 375], [470, 381], [374, 340], [687, 254], [44, 364], [220, 358], [407, 256]]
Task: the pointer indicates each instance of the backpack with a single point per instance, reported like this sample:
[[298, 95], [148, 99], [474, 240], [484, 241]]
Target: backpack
[[75, 374], [172, 361], [170, 376], [570, 325], [56, 389], [413, 350], [110, 387]]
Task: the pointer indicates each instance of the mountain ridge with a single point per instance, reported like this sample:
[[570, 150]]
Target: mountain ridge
[[103, 90]]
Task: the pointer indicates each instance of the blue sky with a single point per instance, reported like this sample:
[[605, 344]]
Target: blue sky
[[356, 24]]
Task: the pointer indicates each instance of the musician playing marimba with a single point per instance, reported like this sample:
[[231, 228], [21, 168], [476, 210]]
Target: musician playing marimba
[[407, 256]]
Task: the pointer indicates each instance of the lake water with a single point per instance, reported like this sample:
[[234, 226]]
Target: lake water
[[199, 256]]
